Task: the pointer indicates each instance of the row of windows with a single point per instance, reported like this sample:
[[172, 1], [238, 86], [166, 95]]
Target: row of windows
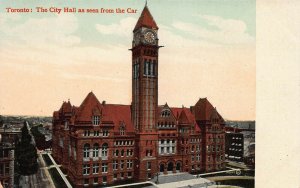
[[213, 148], [197, 157], [197, 148], [124, 143], [193, 140], [165, 125], [95, 168], [236, 144], [149, 67], [163, 135], [95, 151], [237, 138], [220, 158], [103, 133], [234, 149], [167, 150], [168, 141], [129, 164], [129, 152]]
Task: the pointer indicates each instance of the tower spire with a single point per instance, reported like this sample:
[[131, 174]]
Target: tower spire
[[145, 20]]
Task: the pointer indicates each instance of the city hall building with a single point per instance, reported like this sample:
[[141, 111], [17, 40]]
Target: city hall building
[[103, 144]]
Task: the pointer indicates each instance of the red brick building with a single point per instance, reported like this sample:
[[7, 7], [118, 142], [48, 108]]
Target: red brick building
[[101, 144]]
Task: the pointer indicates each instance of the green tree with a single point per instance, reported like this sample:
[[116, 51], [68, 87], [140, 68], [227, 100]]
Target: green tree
[[26, 154]]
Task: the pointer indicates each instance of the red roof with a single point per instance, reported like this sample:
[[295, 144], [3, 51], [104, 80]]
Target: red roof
[[66, 107], [118, 114], [89, 107], [204, 110], [145, 20], [185, 116]]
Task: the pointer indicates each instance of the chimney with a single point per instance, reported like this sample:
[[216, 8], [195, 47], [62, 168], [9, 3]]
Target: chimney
[[103, 102]]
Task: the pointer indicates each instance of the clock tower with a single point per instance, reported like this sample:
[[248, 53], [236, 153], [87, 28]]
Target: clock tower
[[145, 94]]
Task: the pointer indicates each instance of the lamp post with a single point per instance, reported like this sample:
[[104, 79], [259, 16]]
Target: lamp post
[[158, 169]]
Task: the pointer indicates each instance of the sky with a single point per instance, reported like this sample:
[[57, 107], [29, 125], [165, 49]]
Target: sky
[[48, 58]]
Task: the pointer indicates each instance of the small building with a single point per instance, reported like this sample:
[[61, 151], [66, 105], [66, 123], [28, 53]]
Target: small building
[[7, 165], [234, 146]]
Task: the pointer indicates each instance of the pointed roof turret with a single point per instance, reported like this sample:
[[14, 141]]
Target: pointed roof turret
[[146, 20], [89, 107]]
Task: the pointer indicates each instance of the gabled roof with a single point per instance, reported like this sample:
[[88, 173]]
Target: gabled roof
[[185, 116], [66, 107], [89, 107], [146, 20], [204, 110], [118, 114]]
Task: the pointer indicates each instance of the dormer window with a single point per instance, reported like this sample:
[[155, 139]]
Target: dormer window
[[122, 131], [96, 120], [165, 113]]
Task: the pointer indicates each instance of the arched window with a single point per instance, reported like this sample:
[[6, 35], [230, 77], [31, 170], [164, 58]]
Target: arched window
[[104, 150], [96, 150], [122, 153], [86, 150]]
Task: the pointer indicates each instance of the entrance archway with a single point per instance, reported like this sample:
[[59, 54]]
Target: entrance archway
[[170, 166], [162, 168], [178, 167]]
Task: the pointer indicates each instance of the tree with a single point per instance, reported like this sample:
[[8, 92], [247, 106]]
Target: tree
[[26, 154]]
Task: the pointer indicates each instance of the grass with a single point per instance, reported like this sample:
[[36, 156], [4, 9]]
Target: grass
[[57, 179], [239, 182], [47, 160]]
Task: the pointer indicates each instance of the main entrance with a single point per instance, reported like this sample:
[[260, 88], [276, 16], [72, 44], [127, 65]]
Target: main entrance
[[170, 167]]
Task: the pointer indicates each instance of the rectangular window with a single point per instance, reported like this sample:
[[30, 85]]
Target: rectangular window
[[198, 157], [86, 133], [96, 133], [95, 168], [148, 165], [86, 169], [129, 164], [104, 179], [149, 67], [122, 164], [6, 168], [86, 181], [104, 167], [145, 66], [122, 131], [115, 165], [154, 67], [105, 133], [1, 169], [115, 176], [96, 180], [96, 120], [129, 174]]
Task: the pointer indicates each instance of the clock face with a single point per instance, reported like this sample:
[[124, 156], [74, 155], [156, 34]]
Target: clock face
[[149, 37]]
